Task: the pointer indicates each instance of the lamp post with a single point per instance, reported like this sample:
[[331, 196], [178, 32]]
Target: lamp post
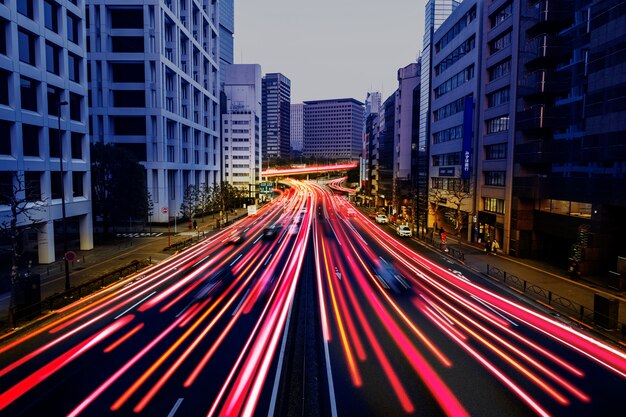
[[67, 268]]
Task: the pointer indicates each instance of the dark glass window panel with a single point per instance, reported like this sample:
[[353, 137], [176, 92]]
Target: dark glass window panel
[[73, 67], [5, 137], [6, 186], [30, 140], [26, 43], [77, 145], [53, 140], [127, 44], [126, 18], [32, 182], [28, 92], [3, 36], [72, 28], [77, 184], [25, 7], [53, 99], [129, 125], [4, 87], [52, 58], [129, 98], [51, 15], [128, 72], [55, 184], [75, 107]]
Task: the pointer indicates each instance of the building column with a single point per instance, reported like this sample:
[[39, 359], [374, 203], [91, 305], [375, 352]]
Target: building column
[[85, 224], [45, 242]]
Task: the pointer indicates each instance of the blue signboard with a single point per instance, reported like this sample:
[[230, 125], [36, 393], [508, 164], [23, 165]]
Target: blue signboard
[[468, 115]]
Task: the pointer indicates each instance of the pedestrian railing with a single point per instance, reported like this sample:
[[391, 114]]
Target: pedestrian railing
[[603, 323]]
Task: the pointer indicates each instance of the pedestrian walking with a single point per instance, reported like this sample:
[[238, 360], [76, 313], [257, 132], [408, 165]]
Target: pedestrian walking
[[495, 246], [487, 247], [195, 224]]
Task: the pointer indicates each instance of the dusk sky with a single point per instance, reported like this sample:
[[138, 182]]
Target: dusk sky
[[330, 48]]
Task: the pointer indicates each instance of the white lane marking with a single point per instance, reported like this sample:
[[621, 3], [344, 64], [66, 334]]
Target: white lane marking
[[236, 259], [268, 259], [281, 356], [257, 239], [175, 408], [241, 302], [135, 305], [494, 310]]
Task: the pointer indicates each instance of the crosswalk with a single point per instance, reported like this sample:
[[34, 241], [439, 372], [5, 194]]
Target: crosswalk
[[143, 234]]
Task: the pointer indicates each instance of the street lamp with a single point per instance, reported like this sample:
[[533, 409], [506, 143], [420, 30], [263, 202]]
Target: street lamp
[[67, 268]]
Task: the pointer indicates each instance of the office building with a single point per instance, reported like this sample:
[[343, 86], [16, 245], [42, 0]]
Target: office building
[[43, 85], [154, 85], [226, 35], [333, 129], [455, 80], [405, 143], [435, 13], [276, 118], [241, 127], [569, 154], [297, 128]]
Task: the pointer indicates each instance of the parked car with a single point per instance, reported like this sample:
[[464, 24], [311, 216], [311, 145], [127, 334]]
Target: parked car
[[404, 231], [381, 218]]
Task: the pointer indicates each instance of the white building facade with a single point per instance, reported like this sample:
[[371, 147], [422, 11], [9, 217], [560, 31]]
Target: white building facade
[[241, 127], [43, 70], [154, 84]]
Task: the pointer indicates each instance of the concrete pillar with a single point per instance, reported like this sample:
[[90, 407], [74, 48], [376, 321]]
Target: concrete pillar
[[45, 242], [85, 224]]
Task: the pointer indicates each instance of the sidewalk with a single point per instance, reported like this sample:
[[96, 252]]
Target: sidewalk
[[104, 258], [541, 282]]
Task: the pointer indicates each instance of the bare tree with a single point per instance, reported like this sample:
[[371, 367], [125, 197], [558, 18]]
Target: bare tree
[[24, 204], [457, 197], [436, 197], [189, 206]]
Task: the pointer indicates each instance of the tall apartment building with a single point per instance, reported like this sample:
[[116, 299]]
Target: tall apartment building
[[384, 150], [569, 163], [43, 86], [154, 85], [455, 81], [241, 127], [373, 101], [333, 129], [435, 13], [297, 128], [372, 104], [406, 139], [276, 119]]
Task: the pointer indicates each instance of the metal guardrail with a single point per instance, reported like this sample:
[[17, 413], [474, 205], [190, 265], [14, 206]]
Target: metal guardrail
[[564, 305]]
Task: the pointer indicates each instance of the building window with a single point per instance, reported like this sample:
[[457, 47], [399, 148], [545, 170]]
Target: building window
[[498, 97], [73, 67], [126, 17], [51, 15], [455, 81], [76, 107], [500, 69], [501, 15], [73, 24], [53, 99], [456, 29], [499, 124], [53, 141], [5, 137], [446, 135], [497, 178], [56, 183], [496, 151], [449, 109], [28, 93], [453, 158], [500, 43], [26, 42], [494, 205], [25, 7], [4, 87], [32, 183], [30, 140], [77, 184], [52, 58], [455, 55], [77, 145], [3, 36]]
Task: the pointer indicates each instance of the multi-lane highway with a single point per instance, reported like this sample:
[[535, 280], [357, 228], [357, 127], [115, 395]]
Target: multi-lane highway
[[323, 314]]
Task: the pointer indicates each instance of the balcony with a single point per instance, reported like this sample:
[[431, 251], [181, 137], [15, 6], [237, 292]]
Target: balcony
[[546, 52], [543, 83], [536, 152], [538, 117], [550, 17]]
